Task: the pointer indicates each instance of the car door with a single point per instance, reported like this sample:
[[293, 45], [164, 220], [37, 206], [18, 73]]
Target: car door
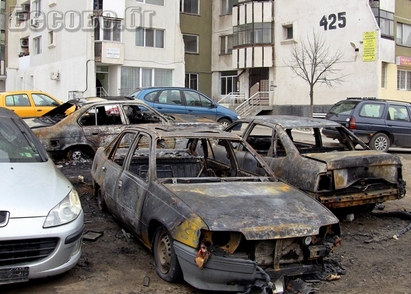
[[20, 104], [199, 105], [169, 101], [43, 103], [101, 124], [132, 184], [399, 122]]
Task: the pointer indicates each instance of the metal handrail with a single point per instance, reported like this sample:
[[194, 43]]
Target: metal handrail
[[250, 105], [233, 98]]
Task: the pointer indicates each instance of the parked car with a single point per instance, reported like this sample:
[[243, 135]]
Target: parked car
[[213, 222], [41, 219], [78, 127], [28, 103], [379, 123], [341, 174], [175, 100]]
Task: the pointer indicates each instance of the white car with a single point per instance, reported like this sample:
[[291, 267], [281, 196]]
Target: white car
[[41, 218]]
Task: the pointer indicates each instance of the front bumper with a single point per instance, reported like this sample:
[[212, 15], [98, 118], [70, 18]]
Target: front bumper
[[62, 258]]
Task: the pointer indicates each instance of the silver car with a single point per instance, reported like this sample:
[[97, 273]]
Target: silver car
[[41, 218]]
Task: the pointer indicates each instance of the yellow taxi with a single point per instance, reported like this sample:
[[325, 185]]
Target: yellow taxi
[[28, 104]]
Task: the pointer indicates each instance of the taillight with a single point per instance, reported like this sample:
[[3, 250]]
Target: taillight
[[351, 123]]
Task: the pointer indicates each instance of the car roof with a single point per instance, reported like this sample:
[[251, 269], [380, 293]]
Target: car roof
[[23, 91], [374, 99], [291, 121], [105, 100], [191, 130]]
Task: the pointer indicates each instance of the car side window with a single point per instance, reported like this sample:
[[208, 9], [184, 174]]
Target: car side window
[[170, 97], [371, 110], [196, 99], [121, 149], [151, 96], [17, 100], [398, 113], [43, 100]]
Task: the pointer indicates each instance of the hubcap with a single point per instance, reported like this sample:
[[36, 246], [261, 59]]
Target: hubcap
[[381, 144]]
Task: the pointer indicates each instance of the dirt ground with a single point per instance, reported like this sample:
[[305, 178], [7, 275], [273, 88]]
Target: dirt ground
[[374, 261]]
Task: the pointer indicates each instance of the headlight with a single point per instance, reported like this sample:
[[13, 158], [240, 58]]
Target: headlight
[[64, 212]]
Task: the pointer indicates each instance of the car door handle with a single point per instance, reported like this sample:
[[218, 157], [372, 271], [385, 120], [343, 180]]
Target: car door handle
[[94, 133], [120, 184]]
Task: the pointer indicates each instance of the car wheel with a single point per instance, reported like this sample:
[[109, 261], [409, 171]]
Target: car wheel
[[167, 266], [380, 142], [100, 200], [77, 154], [225, 122]]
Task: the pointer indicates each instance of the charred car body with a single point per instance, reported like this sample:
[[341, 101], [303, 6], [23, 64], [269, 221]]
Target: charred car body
[[78, 127], [340, 174], [211, 222]]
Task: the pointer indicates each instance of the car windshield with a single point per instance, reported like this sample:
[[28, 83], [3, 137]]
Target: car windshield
[[16, 145], [343, 107]]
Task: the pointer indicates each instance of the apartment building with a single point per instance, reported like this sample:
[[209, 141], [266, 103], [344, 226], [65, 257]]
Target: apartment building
[[85, 48], [253, 43]]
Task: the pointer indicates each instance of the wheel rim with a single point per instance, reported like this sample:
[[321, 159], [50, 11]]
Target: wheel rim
[[164, 253], [381, 144], [76, 155]]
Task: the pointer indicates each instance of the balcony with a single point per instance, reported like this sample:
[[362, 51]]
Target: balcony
[[108, 52]]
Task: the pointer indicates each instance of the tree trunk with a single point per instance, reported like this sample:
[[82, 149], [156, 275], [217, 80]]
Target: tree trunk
[[311, 100]]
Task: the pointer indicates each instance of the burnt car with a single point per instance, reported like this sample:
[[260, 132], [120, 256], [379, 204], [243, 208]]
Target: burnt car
[[78, 127], [214, 223], [341, 174]]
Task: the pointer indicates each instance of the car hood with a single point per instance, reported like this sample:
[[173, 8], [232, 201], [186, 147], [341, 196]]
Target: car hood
[[347, 159], [259, 210], [31, 189], [34, 123]]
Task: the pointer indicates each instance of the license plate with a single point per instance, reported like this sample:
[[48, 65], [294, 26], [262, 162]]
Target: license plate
[[14, 275]]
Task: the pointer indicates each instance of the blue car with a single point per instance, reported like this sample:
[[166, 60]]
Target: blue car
[[175, 100]]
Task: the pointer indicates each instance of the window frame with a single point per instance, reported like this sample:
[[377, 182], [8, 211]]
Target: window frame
[[400, 34], [182, 6], [157, 33], [403, 80], [37, 48], [225, 47], [227, 6], [191, 78], [185, 43]]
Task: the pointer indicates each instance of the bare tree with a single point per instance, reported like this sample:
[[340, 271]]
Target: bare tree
[[314, 62]]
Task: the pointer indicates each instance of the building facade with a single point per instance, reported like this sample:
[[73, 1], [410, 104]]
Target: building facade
[[259, 38], [224, 48], [95, 47]]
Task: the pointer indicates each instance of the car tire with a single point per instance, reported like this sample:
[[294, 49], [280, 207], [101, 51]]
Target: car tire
[[380, 142], [166, 262], [225, 122], [100, 200], [77, 154]]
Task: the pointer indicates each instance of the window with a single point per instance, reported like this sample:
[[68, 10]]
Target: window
[[170, 97], [228, 81], [383, 75], [403, 34], [404, 80], [112, 29], [155, 2], [137, 77], [385, 20], [191, 43], [190, 6], [150, 38], [252, 33], [398, 113], [196, 99], [37, 8], [288, 32], [191, 81], [37, 45], [226, 44], [51, 38], [372, 110], [227, 6]]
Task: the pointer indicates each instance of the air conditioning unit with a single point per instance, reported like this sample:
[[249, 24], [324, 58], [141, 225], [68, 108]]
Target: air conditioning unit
[[34, 23], [24, 43]]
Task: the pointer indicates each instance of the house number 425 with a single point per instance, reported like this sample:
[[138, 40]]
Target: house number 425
[[331, 21]]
